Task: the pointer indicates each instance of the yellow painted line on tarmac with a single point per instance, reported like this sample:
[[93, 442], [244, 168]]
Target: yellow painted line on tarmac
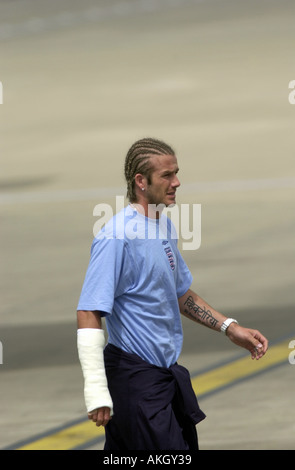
[[68, 438], [80, 434], [239, 369]]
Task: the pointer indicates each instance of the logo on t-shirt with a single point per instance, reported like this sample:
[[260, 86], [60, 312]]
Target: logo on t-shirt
[[170, 255]]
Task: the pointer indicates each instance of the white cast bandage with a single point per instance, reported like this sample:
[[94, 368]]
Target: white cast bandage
[[90, 342]]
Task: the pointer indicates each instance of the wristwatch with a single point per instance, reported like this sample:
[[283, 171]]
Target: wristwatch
[[226, 324]]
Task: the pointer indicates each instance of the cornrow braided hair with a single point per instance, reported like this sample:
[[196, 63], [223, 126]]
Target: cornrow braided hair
[[137, 161]]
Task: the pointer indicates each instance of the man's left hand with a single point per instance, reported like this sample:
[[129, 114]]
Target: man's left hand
[[252, 340]]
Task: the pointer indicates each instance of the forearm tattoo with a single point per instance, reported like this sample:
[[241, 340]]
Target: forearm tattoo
[[200, 314]]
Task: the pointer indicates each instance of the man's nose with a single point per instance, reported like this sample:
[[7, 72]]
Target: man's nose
[[175, 182]]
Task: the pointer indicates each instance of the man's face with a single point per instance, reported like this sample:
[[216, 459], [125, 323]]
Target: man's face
[[164, 180]]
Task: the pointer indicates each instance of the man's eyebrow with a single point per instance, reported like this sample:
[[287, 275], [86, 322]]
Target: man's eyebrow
[[169, 172]]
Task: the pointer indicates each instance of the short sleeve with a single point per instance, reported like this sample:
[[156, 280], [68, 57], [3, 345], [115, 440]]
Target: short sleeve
[[103, 281], [184, 277]]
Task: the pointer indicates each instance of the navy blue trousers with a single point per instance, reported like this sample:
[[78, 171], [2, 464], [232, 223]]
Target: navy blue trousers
[[155, 408]]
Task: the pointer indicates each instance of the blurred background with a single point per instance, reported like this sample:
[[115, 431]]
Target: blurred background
[[81, 82]]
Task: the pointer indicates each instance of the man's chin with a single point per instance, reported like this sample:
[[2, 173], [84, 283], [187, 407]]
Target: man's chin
[[172, 203]]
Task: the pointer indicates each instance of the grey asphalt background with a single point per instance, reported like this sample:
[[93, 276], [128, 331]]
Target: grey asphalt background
[[81, 82]]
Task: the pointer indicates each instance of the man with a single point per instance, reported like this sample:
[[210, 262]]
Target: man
[[138, 280]]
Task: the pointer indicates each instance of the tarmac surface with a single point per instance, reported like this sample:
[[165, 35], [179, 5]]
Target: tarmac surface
[[81, 82]]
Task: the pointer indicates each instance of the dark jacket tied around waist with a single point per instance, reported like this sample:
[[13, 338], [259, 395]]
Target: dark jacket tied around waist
[[155, 408]]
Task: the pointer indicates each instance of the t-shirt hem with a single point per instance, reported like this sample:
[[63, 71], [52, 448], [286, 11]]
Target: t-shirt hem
[[184, 290], [104, 310]]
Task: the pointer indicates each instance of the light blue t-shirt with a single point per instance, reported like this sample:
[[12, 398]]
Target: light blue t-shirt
[[135, 276]]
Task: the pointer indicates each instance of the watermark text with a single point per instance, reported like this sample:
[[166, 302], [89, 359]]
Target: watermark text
[[292, 93], [292, 353], [181, 222]]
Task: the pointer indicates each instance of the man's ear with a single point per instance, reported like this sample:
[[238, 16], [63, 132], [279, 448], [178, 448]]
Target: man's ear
[[140, 181]]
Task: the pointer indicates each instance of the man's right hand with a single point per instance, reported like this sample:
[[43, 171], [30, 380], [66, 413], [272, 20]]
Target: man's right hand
[[100, 416]]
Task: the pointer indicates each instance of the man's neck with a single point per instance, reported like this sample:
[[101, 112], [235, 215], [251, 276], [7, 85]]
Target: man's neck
[[151, 211]]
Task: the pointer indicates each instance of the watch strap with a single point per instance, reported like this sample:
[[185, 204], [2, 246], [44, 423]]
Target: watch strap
[[226, 324]]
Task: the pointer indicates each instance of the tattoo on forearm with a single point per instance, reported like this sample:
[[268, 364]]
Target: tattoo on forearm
[[198, 313]]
